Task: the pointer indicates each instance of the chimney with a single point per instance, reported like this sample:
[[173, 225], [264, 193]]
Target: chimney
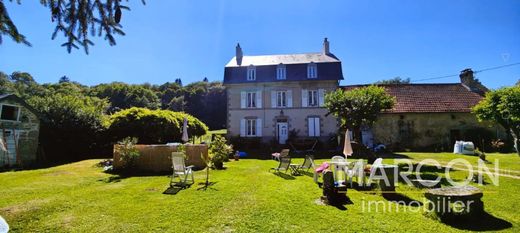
[[239, 54], [468, 80], [326, 49]]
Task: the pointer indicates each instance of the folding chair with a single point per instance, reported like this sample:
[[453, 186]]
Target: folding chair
[[283, 166], [181, 171]]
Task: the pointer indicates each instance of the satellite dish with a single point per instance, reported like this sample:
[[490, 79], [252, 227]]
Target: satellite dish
[[4, 228]]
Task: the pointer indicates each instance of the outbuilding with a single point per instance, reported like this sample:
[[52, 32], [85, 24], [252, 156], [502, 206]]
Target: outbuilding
[[19, 132]]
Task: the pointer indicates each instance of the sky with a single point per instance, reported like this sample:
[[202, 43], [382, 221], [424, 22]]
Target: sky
[[191, 40]]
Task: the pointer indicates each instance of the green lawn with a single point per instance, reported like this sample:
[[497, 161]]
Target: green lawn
[[79, 197]]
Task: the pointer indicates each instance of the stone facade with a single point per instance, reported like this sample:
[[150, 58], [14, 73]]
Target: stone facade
[[296, 116], [427, 131], [19, 136]]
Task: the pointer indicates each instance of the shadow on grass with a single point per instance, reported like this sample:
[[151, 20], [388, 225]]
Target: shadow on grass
[[401, 199], [484, 222], [392, 156], [284, 176], [205, 186]]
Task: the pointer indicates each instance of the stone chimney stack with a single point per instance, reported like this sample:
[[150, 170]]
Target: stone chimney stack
[[468, 80], [326, 46], [239, 55]]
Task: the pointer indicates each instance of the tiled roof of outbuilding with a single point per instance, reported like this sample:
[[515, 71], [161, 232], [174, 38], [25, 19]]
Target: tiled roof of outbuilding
[[424, 98]]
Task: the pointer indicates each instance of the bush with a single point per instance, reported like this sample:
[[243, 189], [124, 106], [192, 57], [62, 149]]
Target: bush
[[153, 126], [129, 153], [71, 127], [219, 151]]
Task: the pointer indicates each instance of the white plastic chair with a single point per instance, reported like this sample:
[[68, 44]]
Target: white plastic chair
[[181, 171], [356, 169], [338, 169], [378, 162]]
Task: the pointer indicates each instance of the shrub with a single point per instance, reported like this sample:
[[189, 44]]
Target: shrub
[[153, 126], [71, 126], [129, 153], [219, 151]]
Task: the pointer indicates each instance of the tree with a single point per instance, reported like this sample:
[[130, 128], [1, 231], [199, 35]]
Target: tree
[[503, 107], [123, 96], [71, 125], [64, 79], [76, 19], [396, 80], [205, 80], [178, 81], [358, 107]]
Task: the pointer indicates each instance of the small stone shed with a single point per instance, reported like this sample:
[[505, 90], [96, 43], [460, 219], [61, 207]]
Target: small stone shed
[[19, 132]]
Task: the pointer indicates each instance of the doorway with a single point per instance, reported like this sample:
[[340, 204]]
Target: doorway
[[282, 132]]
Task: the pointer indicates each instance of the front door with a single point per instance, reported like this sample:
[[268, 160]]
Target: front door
[[283, 132], [10, 140]]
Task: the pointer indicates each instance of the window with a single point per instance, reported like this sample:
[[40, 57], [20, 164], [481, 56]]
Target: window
[[251, 73], [10, 113], [251, 100], [314, 126], [312, 70], [313, 98], [251, 127], [281, 72], [281, 99]]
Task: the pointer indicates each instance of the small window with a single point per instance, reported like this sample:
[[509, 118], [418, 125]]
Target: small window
[[251, 127], [251, 73], [281, 99], [10, 113], [281, 72], [312, 70], [312, 98], [251, 100]]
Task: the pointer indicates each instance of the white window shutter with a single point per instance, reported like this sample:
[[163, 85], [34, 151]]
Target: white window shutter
[[316, 126], [273, 99], [242, 99], [259, 99], [321, 97], [242, 127], [305, 97], [259, 127], [289, 99], [310, 126]]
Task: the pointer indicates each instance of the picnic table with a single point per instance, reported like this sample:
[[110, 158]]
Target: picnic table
[[456, 200]]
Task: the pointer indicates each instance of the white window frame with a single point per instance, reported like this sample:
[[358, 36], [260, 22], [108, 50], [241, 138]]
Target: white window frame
[[312, 70], [281, 72], [17, 114], [251, 99], [251, 128], [311, 123], [281, 99], [312, 98], [251, 73]]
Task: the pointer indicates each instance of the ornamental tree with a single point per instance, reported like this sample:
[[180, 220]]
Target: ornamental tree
[[503, 107], [358, 107]]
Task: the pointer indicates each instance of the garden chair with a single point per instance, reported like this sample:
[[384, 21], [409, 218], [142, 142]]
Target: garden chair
[[283, 153], [308, 163], [181, 171], [338, 169], [356, 170], [283, 165]]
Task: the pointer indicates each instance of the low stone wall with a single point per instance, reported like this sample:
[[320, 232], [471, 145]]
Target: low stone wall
[[157, 158]]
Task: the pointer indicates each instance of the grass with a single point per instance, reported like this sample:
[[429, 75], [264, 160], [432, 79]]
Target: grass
[[79, 197]]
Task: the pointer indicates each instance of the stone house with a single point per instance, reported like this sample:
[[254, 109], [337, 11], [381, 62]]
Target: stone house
[[271, 95], [430, 116], [19, 132]]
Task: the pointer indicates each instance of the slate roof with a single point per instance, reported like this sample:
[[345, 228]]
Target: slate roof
[[265, 60], [429, 98]]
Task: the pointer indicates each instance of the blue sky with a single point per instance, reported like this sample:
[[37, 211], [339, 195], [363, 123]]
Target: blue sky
[[195, 39]]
